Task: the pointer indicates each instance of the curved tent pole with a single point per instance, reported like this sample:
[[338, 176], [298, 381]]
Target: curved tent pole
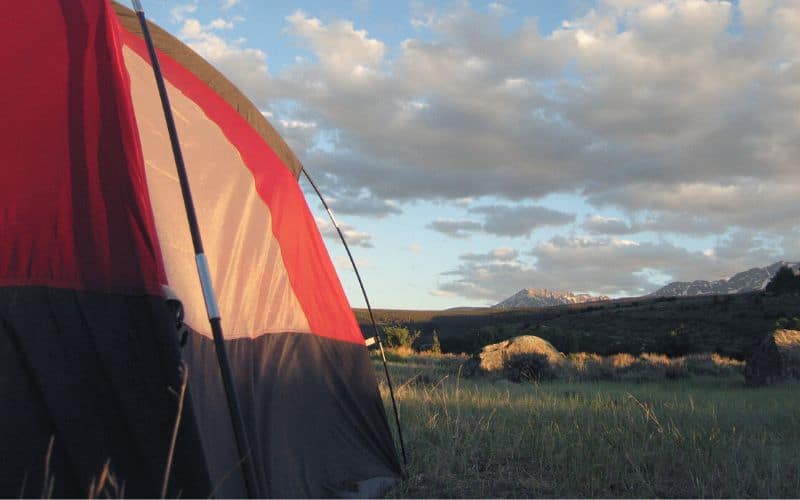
[[248, 470], [369, 308]]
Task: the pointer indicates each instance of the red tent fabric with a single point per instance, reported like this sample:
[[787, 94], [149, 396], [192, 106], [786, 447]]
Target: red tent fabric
[[68, 219]]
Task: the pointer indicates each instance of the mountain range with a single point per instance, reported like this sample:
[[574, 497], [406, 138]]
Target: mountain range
[[746, 281], [541, 297]]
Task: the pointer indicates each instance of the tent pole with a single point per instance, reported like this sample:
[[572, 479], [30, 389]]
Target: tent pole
[[369, 308], [212, 309]]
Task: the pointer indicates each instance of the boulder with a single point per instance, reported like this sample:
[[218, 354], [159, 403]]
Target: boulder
[[525, 357], [777, 358]]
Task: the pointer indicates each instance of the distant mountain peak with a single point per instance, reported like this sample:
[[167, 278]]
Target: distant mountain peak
[[542, 297], [746, 281]]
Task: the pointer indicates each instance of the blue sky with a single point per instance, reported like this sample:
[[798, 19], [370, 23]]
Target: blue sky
[[476, 148]]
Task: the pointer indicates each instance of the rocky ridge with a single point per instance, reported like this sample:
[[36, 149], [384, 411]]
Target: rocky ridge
[[542, 297], [747, 281]]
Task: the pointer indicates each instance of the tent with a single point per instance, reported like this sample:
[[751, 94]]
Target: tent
[[92, 229]]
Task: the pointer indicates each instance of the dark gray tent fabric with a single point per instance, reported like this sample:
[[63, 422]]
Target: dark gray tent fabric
[[311, 433], [97, 373]]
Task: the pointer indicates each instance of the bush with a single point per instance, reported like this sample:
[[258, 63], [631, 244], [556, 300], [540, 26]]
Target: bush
[[529, 367], [589, 366], [656, 360], [712, 365], [584, 366], [646, 367], [621, 361], [582, 359], [400, 336]]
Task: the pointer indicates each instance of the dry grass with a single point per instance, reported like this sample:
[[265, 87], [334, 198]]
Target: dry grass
[[694, 437], [399, 353], [788, 341], [621, 361], [585, 366], [646, 367]]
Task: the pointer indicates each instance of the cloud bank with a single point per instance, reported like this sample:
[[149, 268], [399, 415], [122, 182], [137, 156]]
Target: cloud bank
[[680, 117]]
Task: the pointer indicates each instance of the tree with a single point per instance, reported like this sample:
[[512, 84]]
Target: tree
[[784, 281], [436, 347]]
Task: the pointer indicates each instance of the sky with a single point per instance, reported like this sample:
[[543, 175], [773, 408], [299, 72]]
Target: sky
[[472, 149]]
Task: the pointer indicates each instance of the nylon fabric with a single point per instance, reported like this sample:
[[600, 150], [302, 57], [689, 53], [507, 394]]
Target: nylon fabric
[[25, 447], [316, 423], [309, 268], [74, 209], [100, 376], [247, 269]]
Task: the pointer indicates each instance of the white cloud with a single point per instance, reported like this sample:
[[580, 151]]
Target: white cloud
[[180, 12], [247, 67], [297, 124], [752, 202], [502, 220], [227, 4], [756, 13], [365, 206], [519, 220], [597, 224], [497, 255], [455, 228], [351, 235], [602, 265], [674, 100], [220, 24], [342, 49], [499, 9]]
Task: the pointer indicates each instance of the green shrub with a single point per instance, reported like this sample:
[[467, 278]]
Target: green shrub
[[400, 336]]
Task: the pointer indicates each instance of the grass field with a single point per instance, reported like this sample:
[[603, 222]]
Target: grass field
[[693, 437]]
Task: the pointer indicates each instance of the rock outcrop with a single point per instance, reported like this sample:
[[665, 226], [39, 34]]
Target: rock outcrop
[[526, 357]]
